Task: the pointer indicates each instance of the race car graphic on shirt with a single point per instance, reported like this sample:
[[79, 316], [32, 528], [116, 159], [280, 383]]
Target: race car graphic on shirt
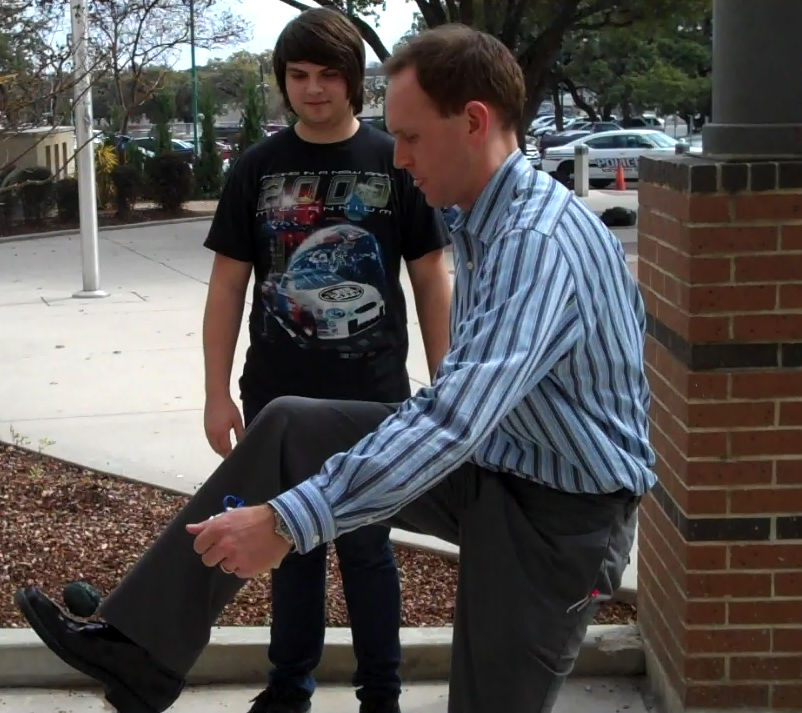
[[328, 290], [326, 286]]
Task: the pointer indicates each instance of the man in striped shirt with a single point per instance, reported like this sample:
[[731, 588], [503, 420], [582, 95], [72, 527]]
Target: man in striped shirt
[[529, 450]]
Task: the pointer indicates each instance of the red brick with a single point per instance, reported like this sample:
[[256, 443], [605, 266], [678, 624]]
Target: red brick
[[791, 237], [781, 267], [707, 668], [647, 246], [789, 472], [787, 696], [706, 557], [732, 239], [705, 613], [706, 209], [703, 502], [731, 473], [766, 385], [791, 296], [727, 641], [766, 500], [708, 386], [777, 611], [767, 328], [791, 413], [731, 415], [729, 696], [765, 668], [722, 585], [708, 329], [788, 584], [771, 206], [766, 556], [787, 441], [709, 299], [707, 444], [702, 271], [787, 640]]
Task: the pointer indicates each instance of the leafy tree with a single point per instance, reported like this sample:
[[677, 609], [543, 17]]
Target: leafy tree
[[662, 67], [209, 166], [534, 30], [251, 130]]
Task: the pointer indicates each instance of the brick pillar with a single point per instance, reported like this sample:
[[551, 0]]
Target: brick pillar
[[720, 541]]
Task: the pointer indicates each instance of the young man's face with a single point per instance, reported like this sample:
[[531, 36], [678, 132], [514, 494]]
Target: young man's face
[[431, 147], [318, 95]]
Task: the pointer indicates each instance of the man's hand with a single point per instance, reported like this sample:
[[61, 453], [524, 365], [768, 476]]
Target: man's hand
[[220, 417], [242, 541]]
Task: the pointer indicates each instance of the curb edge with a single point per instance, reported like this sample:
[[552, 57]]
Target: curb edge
[[237, 656], [104, 229]]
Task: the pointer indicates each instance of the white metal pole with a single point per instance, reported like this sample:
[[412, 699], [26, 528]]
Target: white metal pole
[[82, 110]]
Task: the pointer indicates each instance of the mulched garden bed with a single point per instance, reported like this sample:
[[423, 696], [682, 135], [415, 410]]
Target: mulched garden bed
[[63, 523]]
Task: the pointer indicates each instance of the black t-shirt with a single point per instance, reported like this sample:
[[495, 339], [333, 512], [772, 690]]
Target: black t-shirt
[[326, 227]]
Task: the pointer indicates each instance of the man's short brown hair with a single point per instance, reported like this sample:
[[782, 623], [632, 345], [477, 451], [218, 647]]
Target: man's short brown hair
[[456, 64], [329, 39]]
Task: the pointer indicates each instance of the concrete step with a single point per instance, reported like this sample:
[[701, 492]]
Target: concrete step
[[598, 695]]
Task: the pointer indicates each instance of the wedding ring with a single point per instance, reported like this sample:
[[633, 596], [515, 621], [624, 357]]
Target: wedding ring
[[227, 571]]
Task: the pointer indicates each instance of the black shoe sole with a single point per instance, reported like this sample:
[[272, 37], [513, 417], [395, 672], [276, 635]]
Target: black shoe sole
[[117, 692]]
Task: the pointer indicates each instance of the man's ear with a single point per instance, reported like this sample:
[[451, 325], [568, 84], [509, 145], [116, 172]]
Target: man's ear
[[478, 116]]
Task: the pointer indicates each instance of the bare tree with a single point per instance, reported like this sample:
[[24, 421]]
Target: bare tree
[[143, 39], [36, 74], [37, 84]]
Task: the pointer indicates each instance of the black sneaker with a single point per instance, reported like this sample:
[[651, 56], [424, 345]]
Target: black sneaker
[[271, 701]]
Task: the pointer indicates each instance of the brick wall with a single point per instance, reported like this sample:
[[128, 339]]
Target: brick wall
[[720, 543]]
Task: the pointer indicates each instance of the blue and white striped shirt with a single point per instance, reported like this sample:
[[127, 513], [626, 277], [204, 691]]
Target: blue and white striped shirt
[[544, 378]]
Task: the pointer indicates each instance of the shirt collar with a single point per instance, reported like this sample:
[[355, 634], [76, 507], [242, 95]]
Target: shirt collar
[[497, 192]]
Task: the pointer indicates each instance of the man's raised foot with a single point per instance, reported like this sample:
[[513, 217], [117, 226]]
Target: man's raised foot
[[132, 680]]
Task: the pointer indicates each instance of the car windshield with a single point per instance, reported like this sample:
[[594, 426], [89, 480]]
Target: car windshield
[[314, 279], [663, 141], [356, 259]]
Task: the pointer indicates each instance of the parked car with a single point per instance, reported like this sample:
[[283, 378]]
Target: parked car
[[551, 140], [606, 152]]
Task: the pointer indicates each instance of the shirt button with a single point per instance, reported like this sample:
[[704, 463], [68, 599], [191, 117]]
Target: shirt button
[[469, 265], [316, 539]]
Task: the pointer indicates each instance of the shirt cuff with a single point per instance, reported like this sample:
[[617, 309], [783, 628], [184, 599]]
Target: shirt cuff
[[308, 516]]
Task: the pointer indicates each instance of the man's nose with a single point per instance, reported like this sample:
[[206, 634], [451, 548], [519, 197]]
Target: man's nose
[[401, 157]]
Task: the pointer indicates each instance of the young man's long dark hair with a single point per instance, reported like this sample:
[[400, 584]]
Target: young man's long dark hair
[[327, 38]]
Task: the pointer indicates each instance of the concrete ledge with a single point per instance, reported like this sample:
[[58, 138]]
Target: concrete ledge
[[237, 655], [105, 229]]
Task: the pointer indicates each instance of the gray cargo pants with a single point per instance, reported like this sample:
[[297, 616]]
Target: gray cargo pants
[[530, 556]]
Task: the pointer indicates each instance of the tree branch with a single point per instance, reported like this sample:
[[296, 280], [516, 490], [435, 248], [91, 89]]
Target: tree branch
[[368, 33]]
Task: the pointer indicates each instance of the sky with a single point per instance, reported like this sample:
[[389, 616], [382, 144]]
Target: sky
[[268, 17]]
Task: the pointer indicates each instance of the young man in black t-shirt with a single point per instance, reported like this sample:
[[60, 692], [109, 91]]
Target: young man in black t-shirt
[[323, 220]]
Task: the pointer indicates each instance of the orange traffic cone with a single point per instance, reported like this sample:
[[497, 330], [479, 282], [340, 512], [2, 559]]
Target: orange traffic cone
[[620, 181]]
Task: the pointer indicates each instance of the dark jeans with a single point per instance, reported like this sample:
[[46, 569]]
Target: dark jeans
[[372, 595]]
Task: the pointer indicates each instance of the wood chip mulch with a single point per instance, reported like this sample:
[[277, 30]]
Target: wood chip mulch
[[63, 523]]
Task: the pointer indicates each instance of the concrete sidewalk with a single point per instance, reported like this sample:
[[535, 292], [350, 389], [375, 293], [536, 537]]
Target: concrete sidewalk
[[578, 696], [117, 383]]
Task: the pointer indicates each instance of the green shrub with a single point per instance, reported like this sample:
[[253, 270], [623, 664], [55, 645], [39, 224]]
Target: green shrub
[[8, 200], [209, 165], [36, 192], [169, 179], [67, 202], [127, 181]]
